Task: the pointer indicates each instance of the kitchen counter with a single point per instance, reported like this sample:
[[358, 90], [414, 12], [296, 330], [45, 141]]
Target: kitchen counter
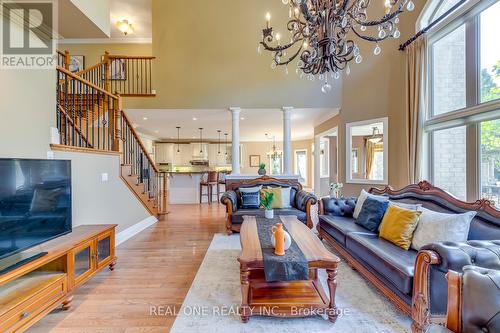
[[184, 188]]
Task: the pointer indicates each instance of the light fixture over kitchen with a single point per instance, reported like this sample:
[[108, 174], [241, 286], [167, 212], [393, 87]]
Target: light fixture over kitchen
[[225, 134], [125, 27], [178, 139], [218, 149], [201, 140]]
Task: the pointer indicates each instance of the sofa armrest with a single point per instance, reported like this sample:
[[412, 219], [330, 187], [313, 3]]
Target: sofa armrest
[[230, 199], [337, 207], [303, 198], [304, 201], [430, 288]]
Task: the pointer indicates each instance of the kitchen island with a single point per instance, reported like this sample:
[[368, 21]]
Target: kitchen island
[[184, 187]]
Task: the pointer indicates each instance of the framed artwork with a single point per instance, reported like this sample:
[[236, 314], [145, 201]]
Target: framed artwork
[[118, 71], [254, 161], [76, 63]]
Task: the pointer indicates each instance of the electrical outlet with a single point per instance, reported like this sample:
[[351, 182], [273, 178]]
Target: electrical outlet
[[104, 177]]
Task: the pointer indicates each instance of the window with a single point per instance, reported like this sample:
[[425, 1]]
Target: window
[[324, 158], [490, 161], [462, 123], [276, 164], [448, 77], [449, 168], [490, 54], [301, 165], [355, 160]]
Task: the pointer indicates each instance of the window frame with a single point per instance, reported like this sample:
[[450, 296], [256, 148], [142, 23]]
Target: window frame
[[475, 112]]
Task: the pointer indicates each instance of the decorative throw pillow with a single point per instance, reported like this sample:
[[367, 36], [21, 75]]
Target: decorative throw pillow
[[405, 205], [371, 214], [285, 196], [441, 227], [277, 200], [398, 226], [361, 200], [250, 200]]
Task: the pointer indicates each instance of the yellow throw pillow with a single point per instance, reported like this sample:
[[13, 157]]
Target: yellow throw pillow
[[277, 202], [398, 226]]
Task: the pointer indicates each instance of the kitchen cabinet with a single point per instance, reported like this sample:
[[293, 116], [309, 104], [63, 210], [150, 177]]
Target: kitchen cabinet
[[164, 153]]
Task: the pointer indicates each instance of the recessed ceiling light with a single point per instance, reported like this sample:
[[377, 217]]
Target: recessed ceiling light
[[194, 118], [242, 118], [157, 131], [144, 118]]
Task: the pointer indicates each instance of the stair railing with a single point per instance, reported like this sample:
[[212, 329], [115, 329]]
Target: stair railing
[[142, 165], [130, 75], [87, 115]]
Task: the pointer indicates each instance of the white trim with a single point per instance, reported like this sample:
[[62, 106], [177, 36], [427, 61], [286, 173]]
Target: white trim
[[106, 41], [130, 232], [348, 138]]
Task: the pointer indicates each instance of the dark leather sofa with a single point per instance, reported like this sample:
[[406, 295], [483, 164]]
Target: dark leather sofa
[[473, 302], [300, 202], [414, 281]]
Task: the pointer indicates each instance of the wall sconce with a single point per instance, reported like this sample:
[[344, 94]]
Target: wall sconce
[[125, 27]]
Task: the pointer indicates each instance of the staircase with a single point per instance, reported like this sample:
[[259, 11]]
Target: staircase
[[90, 117]]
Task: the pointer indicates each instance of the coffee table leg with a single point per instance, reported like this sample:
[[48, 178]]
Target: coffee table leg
[[245, 288], [332, 287]]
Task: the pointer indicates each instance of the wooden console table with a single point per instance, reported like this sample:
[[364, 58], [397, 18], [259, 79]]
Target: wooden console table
[[31, 291]]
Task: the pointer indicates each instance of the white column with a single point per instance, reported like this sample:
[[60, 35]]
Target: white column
[[235, 111], [287, 141]]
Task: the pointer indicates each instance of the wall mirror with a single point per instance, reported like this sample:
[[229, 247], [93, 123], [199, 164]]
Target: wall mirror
[[367, 152]]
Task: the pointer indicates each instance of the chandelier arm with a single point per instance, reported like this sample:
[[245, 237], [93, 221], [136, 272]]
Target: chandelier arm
[[292, 58], [384, 19], [277, 48]]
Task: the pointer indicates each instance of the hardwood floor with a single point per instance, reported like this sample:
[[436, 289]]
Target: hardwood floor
[[155, 267]]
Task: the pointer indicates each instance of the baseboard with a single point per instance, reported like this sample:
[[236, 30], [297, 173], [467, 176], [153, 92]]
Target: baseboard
[[130, 232]]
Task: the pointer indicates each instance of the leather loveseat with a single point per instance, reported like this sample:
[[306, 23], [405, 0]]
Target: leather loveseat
[[414, 281], [300, 201], [473, 302]]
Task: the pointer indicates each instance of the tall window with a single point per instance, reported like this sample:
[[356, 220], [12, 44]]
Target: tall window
[[463, 117], [301, 165]]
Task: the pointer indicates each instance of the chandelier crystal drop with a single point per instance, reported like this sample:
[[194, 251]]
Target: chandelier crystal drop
[[322, 31]]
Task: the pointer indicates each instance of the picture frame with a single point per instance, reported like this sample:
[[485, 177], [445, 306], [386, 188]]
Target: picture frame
[[254, 161], [76, 63]]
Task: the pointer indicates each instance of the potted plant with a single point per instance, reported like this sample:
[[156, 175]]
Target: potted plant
[[335, 190], [267, 201], [262, 169]]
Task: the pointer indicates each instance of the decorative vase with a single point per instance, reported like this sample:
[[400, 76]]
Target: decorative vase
[[269, 213], [281, 240], [335, 194], [262, 172]]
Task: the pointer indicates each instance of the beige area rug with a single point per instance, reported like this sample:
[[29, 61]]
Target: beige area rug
[[214, 296]]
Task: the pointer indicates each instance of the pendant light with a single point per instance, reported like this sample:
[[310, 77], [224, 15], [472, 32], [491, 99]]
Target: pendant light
[[218, 149], [226, 142], [201, 140], [178, 139]]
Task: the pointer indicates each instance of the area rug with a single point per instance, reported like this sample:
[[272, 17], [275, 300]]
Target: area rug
[[212, 301]]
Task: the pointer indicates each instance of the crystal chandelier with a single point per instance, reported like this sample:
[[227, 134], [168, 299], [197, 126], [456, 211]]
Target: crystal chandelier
[[319, 35]]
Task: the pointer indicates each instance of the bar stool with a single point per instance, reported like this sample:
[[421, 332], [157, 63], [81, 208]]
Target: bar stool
[[222, 181], [209, 180]]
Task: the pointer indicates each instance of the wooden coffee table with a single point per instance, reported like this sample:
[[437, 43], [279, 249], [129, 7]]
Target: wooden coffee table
[[286, 299]]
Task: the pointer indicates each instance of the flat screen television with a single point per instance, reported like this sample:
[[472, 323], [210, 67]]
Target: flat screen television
[[35, 203]]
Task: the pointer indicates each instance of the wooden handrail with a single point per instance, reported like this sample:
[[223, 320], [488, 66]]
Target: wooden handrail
[[90, 84], [134, 133], [77, 129]]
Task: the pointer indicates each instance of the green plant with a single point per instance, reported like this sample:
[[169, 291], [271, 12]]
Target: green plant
[[267, 200], [262, 165]]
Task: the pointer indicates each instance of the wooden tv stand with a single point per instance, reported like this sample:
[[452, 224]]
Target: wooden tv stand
[[31, 291]]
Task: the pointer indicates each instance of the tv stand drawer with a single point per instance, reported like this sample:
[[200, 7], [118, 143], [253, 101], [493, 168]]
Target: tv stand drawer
[[25, 299]]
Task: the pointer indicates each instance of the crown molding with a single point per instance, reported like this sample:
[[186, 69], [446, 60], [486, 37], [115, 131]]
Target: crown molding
[[122, 40]]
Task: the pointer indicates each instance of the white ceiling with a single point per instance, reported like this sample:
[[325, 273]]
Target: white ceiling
[[137, 12], [255, 123]]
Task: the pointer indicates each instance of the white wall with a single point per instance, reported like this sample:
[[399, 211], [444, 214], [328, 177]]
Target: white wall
[[97, 202], [97, 11]]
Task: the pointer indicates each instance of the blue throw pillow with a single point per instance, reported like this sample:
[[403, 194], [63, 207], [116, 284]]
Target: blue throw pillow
[[372, 213], [250, 200]]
